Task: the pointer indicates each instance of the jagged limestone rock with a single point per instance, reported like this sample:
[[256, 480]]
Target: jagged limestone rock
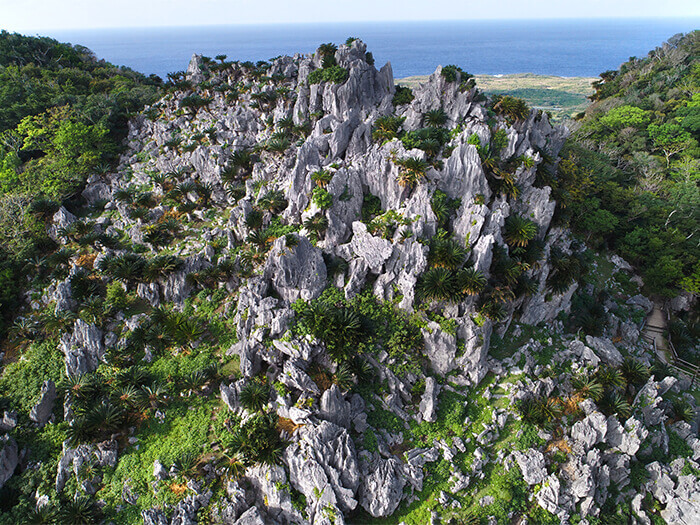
[[323, 466], [41, 412], [381, 487], [8, 458], [532, 465], [428, 404], [83, 348], [296, 269]]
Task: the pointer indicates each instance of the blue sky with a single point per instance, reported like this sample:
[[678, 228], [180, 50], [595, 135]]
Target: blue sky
[[35, 15]]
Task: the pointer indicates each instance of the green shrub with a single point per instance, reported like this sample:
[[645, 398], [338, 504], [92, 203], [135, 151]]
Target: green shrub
[[322, 198], [334, 74], [402, 95]]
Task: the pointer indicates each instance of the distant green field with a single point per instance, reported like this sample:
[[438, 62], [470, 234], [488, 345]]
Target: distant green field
[[562, 96]]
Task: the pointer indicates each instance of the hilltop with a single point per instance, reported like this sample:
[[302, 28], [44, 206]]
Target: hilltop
[[302, 294]]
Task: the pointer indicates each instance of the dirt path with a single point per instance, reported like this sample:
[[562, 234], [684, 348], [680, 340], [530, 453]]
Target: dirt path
[[654, 330]]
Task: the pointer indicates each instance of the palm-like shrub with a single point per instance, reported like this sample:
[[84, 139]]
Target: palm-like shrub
[[80, 510], [125, 267], [160, 266], [519, 231], [80, 387], [254, 219], [273, 201], [512, 108], [321, 177], [683, 410], [186, 464], [442, 207], [339, 327], [124, 195], [278, 144], [588, 387], [326, 49], [255, 395], [437, 284], [565, 269], [387, 128], [411, 170], [344, 376], [316, 225], [543, 411], [470, 281], [402, 95], [446, 252], [614, 403], [492, 309], [452, 73], [634, 371], [610, 377], [435, 118], [233, 465], [155, 396], [44, 515], [258, 440]]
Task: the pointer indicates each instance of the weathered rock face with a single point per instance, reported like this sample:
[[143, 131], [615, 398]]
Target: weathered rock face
[[382, 485], [83, 348], [532, 466], [296, 269], [323, 467], [355, 225], [428, 403], [8, 458], [41, 412]]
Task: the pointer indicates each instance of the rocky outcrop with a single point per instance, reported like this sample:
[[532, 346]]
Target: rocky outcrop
[[41, 412], [83, 348], [8, 458], [381, 487], [296, 269], [323, 466]]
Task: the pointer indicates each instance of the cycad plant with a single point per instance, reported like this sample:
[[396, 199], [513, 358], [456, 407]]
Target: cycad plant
[[514, 109], [411, 170], [80, 510], [387, 128], [435, 118], [470, 281], [437, 284], [254, 395], [519, 231], [588, 387], [445, 252]]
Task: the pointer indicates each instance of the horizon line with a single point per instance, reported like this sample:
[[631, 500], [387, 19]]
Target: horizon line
[[348, 22]]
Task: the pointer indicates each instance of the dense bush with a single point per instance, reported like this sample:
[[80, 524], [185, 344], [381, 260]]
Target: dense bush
[[628, 180]]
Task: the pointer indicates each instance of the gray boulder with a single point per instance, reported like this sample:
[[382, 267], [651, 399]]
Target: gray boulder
[[41, 412], [605, 349], [334, 408], [296, 271], [323, 466], [382, 485], [428, 403], [532, 465], [590, 430], [83, 348], [8, 458], [375, 251]]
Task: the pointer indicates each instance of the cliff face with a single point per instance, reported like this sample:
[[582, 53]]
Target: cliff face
[[348, 253]]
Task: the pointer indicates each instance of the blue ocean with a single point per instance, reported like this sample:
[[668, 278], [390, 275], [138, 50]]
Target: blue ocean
[[553, 47]]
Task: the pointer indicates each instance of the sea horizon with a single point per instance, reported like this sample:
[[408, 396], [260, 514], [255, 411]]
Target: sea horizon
[[558, 47]]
